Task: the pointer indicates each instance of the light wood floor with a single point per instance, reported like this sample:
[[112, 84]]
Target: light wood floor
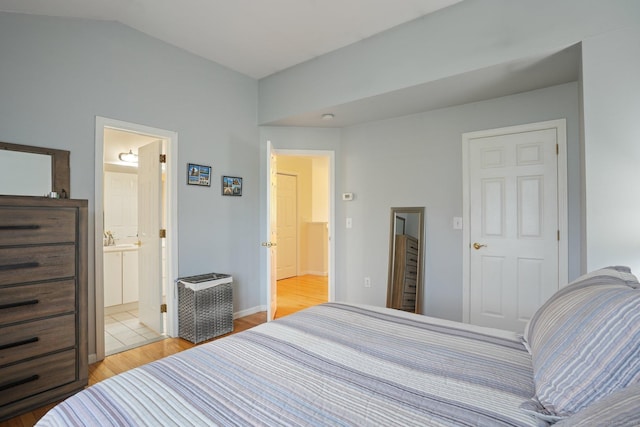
[[300, 292], [293, 295]]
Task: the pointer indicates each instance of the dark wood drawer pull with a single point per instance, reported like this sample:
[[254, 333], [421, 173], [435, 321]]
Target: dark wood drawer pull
[[19, 227], [19, 304], [7, 386], [19, 343], [19, 266]]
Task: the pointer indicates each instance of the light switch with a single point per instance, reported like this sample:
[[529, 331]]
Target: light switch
[[349, 223], [457, 223]]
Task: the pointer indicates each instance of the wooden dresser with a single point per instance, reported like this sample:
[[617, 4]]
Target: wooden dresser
[[405, 273], [43, 301]]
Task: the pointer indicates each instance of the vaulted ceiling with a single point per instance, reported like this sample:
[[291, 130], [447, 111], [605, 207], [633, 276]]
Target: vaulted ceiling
[[254, 37]]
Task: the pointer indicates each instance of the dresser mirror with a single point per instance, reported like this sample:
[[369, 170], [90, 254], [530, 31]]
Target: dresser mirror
[[33, 171], [404, 288]]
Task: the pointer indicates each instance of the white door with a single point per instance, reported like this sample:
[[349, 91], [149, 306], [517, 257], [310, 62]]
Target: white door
[[272, 222], [149, 225], [287, 230], [514, 225]]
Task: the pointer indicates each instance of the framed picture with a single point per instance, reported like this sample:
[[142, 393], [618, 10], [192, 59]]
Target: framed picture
[[198, 174], [231, 186]]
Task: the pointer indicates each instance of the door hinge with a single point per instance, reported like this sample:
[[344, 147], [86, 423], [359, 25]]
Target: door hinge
[[163, 233], [163, 158], [163, 308], [557, 149], [558, 235]]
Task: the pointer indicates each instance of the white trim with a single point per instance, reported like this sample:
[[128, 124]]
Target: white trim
[[172, 221], [563, 246], [249, 311], [314, 273]]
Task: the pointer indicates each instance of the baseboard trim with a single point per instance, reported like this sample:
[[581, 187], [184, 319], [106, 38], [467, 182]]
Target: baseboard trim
[[249, 311], [315, 273]]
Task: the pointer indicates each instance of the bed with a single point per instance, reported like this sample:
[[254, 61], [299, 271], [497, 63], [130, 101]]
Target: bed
[[354, 365]]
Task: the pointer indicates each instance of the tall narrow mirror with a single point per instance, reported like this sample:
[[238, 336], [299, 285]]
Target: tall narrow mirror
[[405, 285]]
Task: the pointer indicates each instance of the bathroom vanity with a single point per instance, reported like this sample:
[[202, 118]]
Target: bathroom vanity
[[120, 274]]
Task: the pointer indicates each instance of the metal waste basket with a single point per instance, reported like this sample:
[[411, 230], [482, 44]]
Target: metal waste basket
[[205, 306]]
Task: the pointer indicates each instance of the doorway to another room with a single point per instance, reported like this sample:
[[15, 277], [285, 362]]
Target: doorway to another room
[[123, 213], [302, 232], [135, 235]]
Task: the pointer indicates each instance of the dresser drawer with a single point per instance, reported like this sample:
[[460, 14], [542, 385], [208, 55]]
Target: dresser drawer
[[33, 263], [26, 302], [24, 226], [412, 246], [36, 376], [31, 339]]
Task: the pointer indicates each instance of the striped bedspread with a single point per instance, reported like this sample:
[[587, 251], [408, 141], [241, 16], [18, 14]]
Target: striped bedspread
[[330, 365]]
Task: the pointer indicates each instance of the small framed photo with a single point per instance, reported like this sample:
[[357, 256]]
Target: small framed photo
[[231, 186], [198, 174]]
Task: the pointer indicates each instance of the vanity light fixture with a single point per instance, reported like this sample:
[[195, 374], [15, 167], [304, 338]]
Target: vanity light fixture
[[327, 116], [128, 157]]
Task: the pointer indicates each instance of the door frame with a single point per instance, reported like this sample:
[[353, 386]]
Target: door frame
[[171, 206], [331, 225], [560, 125]]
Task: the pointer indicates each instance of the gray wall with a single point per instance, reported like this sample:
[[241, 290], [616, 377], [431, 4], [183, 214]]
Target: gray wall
[[611, 70], [57, 75], [417, 161], [469, 36]]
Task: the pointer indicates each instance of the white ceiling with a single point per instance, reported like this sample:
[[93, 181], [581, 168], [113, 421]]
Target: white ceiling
[[254, 37]]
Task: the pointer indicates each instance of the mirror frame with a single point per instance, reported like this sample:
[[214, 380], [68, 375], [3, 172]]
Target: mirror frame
[[60, 170], [392, 234]]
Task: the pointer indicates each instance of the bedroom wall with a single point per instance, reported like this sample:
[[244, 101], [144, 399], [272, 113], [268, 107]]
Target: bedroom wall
[[612, 148], [475, 34], [57, 74], [417, 161]]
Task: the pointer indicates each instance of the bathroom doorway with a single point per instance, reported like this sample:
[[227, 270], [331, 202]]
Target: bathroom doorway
[[123, 326], [136, 235]]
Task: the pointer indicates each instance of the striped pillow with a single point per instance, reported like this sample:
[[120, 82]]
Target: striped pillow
[[621, 409], [585, 341]]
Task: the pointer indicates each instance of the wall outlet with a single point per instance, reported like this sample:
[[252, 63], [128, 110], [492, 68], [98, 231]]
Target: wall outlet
[[367, 282]]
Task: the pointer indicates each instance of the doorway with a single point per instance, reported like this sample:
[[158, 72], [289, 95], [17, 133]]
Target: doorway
[[126, 325], [134, 191], [304, 210], [515, 234]]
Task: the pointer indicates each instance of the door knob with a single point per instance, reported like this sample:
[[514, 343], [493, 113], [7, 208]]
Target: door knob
[[477, 246]]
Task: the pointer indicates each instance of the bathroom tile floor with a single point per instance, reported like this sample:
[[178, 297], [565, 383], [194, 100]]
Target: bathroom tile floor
[[123, 331]]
